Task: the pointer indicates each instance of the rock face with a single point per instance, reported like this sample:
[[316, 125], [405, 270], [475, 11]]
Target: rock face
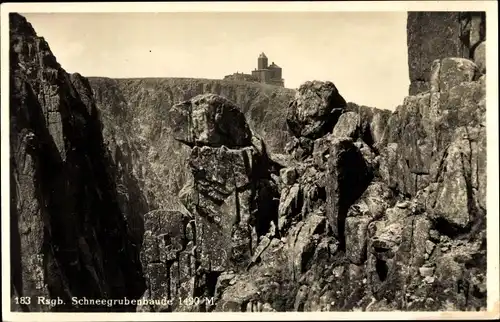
[[438, 35], [230, 198], [385, 212], [379, 210], [69, 237], [365, 210], [136, 122]]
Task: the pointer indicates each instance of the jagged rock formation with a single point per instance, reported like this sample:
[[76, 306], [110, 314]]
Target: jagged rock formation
[[68, 235], [392, 223], [368, 219], [438, 35], [361, 209], [231, 199], [135, 124]]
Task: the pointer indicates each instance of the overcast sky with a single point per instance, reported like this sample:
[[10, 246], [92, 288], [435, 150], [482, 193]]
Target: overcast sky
[[363, 53]]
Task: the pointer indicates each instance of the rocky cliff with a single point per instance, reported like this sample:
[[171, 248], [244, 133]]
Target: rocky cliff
[[438, 35], [135, 123], [240, 197], [377, 211], [69, 237]]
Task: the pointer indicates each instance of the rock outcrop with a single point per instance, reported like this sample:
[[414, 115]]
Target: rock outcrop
[[69, 237], [438, 35], [230, 200], [383, 212], [357, 209], [135, 123], [209, 120], [396, 223], [315, 109]]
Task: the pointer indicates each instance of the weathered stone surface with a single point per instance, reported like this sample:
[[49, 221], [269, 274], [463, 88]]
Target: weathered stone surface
[[426, 271], [454, 71], [480, 57], [219, 171], [373, 202], [455, 190], [408, 154], [372, 124], [302, 242], [369, 155], [459, 34], [355, 231], [165, 231], [290, 206], [370, 206], [262, 283], [348, 176], [282, 160], [424, 47], [348, 125], [474, 23], [69, 237], [301, 298], [418, 86], [299, 148], [264, 243], [210, 120], [321, 151], [387, 239], [223, 195], [315, 109], [288, 175], [420, 130]]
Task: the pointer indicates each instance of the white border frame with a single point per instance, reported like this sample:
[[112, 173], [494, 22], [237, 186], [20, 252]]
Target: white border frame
[[491, 8]]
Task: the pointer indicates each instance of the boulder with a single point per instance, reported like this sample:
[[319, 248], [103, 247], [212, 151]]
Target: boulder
[[315, 109], [210, 120], [372, 124], [227, 195]]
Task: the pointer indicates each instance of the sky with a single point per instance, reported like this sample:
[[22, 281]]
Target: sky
[[363, 53]]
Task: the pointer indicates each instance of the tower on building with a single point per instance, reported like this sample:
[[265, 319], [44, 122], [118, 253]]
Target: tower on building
[[264, 73], [262, 61]]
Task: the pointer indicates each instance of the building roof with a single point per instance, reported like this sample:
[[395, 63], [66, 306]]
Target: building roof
[[262, 55], [273, 65]]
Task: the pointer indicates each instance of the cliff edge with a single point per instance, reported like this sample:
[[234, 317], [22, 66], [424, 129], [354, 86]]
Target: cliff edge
[[69, 237]]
